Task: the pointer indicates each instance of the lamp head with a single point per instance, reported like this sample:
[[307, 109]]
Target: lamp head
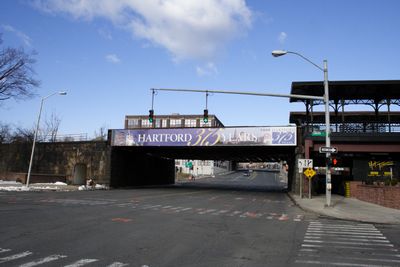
[[62, 93], [278, 53]]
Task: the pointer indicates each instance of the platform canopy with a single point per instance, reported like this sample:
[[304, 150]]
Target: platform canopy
[[376, 90]]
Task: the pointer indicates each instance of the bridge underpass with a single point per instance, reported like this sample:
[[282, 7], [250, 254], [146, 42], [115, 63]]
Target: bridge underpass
[[136, 162]]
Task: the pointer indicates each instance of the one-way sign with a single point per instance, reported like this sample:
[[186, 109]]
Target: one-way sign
[[324, 149]]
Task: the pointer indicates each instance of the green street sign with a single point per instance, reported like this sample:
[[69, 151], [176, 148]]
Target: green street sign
[[189, 164], [318, 134]]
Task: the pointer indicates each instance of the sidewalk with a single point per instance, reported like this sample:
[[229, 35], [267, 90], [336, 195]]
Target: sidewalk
[[348, 209]]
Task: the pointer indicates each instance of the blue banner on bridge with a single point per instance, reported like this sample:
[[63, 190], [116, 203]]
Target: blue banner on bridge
[[238, 136]]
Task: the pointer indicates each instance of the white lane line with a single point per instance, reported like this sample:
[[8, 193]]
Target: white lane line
[[81, 262], [347, 243], [345, 235], [15, 256], [43, 260], [325, 263], [117, 264], [4, 250]]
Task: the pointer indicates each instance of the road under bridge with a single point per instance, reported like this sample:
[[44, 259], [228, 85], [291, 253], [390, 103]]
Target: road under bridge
[[147, 156]]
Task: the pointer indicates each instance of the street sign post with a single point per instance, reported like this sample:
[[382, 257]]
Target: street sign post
[[302, 164], [324, 149], [309, 172]]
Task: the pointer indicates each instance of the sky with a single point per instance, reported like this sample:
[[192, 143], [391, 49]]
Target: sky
[[108, 54]]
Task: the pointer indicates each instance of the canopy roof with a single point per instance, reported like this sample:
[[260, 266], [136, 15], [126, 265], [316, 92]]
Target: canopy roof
[[375, 90]]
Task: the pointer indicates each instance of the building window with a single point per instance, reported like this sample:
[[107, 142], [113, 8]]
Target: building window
[[164, 123], [146, 124], [158, 123], [175, 123], [208, 124], [133, 123], [190, 123]]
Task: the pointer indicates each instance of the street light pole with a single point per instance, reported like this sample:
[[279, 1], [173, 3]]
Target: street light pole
[[36, 133], [278, 53]]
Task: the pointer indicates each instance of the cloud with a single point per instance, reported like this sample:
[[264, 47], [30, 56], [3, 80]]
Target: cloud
[[113, 58], [105, 33], [25, 38], [207, 69], [188, 29], [282, 37]]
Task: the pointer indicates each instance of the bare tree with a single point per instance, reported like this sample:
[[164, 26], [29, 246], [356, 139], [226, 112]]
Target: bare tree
[[22, 135], [16, 73], [5, 133], [101, 135], [50, 130]]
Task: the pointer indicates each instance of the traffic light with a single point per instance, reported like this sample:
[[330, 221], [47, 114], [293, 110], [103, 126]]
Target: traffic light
[[151, 115], [205, 116], [332, 162]]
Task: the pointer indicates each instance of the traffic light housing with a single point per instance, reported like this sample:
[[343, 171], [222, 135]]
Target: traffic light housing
[[332, 162], [151, 115], [205, 116]]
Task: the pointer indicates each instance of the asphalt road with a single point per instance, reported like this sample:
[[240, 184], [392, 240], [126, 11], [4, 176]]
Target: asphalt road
[[257, 180], [181, 226]]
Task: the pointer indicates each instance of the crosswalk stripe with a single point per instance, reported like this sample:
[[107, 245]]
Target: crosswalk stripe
[[117, 264], [81, 262], [325, 263], [345, 235], [43, 260], [4, 250], [344, 229], [351, 239], [345, 232], [347, 243], [15, 256], [207, 211]]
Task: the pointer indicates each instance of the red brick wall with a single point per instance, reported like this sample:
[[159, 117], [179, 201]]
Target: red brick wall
[[387, 196]]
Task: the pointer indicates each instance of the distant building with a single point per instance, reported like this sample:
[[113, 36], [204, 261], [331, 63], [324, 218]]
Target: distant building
[[171, 121]]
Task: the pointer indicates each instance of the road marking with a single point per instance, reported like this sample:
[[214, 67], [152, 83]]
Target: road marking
[[347, 243], [81, 262], [124, 220], [339, 263], [15, 256], [345, 232], [43, 260], [207, 211], [220, 212], [235, 213], [346, 235], [117, 264], [351, 239], [364, 244]]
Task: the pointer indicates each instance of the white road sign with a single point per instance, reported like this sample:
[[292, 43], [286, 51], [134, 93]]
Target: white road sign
[[304, 164], [324, 149]]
